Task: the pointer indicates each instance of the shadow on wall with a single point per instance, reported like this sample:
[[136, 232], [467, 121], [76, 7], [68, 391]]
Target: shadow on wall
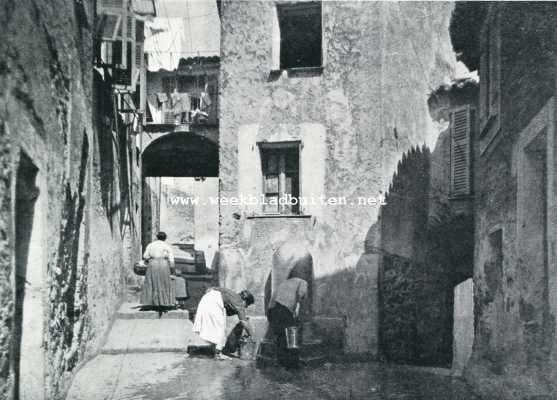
[[116, 156], [426, 250], [26, 196], [69, 278]]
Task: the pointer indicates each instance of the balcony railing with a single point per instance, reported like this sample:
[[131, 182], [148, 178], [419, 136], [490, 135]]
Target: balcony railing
[[182, 109]]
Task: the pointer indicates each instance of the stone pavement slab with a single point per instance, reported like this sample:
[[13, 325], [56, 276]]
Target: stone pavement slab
[[171, 376], [150, 335]]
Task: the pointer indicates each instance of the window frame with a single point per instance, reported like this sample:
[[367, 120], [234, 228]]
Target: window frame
[[280, 9], [266, 148]]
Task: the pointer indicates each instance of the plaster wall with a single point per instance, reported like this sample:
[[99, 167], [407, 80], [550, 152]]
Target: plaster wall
[[355, 119]]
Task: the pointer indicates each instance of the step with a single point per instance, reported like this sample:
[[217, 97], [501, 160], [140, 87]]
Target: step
[[265, 361], [312, 352], [149, 336], [133, 311]]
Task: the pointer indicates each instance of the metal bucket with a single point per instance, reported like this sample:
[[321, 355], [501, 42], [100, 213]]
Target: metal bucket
[[247, 349], [292, 337]]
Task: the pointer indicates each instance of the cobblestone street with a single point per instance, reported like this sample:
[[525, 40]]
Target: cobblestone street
[[171, 376]]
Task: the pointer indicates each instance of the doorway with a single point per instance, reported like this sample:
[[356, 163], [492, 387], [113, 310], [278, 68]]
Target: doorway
[[532, 242], [29, 369]]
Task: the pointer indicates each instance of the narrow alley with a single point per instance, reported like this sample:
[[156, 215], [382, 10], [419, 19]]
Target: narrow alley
[[170, 376], [271, 199]]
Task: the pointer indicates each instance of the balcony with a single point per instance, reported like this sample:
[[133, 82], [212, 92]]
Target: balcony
[[180, 112]]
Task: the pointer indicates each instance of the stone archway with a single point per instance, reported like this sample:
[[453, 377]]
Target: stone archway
[[175, 154], [181, 154]]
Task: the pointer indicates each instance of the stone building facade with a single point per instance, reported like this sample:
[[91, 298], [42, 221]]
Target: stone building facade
[[513, 48], [70, 198], [328, 120], [427, 245]]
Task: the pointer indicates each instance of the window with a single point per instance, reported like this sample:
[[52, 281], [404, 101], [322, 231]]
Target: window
[[461, 151], [281, 177], [121, 46], [300, 35], [168, 84], [191, 84]]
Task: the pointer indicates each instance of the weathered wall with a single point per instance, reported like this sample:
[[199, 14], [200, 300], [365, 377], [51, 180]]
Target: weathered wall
[[6, 266], [463, 328], [47, 103], [514, 347], [427, 242], [151, 209], [355, 120], [206, 216], [415, 291], [177, 219]]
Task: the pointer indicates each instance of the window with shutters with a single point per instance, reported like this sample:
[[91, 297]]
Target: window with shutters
[[461, 125], [281, 177], [490, 78], [121, 47]]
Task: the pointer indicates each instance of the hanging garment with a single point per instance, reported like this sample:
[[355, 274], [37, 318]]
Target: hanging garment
[[205, 101], [176, 103], [185, 102], [163, 98], [155, 108]]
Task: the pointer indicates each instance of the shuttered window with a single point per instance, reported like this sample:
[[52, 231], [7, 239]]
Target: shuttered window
[[138, 55], [281, 177], [461, 151], [122, 42], [110, 25]]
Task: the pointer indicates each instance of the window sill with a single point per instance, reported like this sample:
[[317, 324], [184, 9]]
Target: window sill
[[299, 72], [261, 216]]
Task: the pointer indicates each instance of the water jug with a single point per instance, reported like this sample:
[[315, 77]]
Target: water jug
[[247, 348]]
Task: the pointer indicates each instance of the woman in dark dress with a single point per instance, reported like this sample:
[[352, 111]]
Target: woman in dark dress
[[283, 312]]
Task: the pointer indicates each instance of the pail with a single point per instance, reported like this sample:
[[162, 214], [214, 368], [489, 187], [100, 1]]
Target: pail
[[248, 348], [292, 337]]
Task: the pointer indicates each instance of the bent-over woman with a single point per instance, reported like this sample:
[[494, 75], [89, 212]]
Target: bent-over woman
[[210, 318]]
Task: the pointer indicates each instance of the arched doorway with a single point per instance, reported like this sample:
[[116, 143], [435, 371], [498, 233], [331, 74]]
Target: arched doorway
[[180, 185], [181, 154]]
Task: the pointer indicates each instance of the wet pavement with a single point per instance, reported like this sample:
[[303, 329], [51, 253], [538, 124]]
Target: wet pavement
[[151, 376]]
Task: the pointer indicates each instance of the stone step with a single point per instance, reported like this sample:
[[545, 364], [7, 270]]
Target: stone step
[[149, 336], [133, 311], [309, 348], [265, 361], [313, 352]]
